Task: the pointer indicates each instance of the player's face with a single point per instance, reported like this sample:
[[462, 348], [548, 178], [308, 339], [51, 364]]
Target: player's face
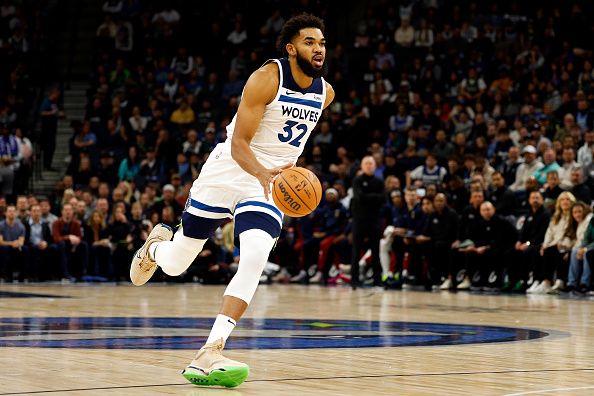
[[310, 47]]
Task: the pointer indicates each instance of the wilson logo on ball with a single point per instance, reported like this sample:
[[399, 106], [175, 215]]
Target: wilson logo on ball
[[287, 197]]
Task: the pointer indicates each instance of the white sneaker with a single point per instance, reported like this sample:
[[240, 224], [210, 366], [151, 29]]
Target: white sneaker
[[299, 277], [533, 287], [543, 288], [465, 285], [559, 285], [446, 285], [317, 278], [210, 367], [143, 266], [282, 277]]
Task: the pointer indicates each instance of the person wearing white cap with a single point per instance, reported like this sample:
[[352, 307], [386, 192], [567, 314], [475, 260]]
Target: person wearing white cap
[[525, 170]]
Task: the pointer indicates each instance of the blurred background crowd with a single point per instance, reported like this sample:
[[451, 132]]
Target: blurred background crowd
[[474, 118]]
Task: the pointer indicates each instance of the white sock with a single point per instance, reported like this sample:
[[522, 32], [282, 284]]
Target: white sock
[[222, 328], [175, 256]]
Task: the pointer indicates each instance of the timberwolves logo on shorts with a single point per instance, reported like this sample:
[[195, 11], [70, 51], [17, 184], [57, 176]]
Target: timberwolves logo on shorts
[[190, 333]]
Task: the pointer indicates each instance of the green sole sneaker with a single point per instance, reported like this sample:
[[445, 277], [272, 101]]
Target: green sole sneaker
[[229, 377]]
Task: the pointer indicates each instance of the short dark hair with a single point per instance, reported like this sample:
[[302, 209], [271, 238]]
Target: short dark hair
[[292, 27]]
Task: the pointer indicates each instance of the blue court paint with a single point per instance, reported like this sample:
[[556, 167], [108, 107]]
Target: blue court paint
[[10, 294], [191, 333]]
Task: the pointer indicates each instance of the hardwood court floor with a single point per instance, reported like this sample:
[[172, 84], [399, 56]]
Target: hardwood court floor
[[58, 351]]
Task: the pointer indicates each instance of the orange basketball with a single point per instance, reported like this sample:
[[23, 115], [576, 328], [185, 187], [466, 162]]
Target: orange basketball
[[296, 191]]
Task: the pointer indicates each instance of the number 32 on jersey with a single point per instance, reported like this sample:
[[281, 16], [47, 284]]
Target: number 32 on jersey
[[291, 129]]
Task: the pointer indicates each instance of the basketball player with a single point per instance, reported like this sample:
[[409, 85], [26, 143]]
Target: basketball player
[[281, 104]]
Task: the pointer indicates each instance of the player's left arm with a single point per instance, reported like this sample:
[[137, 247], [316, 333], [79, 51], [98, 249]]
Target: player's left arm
[[329, 95]]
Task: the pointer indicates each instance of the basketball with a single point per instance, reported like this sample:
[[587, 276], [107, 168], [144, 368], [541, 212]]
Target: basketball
[[297, 192]]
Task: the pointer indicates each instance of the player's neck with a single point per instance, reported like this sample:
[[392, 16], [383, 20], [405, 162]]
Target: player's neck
[[301, 79]]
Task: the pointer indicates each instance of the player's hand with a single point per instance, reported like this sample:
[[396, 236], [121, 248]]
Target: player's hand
[[267, 176]]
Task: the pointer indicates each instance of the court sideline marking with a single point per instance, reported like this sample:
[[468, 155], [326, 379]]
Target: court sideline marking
[[329, 378]]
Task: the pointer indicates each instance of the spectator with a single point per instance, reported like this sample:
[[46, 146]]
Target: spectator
[[73, 252], [502, 198], [367, 201], [552, 190], [526, 169], [580, 190], [12, 246], [430, 173], [567, 165], [50, 112], [555, 246], [579, 268], [10, 156], [468, 222], [332, 221], [130, 166], [493, 237], [40, 243]]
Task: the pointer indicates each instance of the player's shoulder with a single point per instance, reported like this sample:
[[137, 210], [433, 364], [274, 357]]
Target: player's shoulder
[[329, 94], [268, 72], [263, 83]]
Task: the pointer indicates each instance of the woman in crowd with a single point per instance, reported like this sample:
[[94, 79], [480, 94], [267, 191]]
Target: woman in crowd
[[555, 247], [579, 268]]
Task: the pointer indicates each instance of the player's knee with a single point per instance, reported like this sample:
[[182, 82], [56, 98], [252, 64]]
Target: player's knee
[[181, 253], [255, 248]]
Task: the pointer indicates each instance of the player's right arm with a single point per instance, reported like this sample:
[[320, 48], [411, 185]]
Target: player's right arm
[[259, 91]]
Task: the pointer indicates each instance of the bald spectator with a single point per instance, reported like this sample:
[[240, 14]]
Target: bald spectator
[[366, 204]]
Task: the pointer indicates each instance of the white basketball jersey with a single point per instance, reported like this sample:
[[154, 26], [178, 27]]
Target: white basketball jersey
[[288, 120]]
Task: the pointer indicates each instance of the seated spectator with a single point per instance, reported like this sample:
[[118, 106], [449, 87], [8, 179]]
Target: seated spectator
[[441, 228], [73, 251], [119, 231], [183, 116], [331, 219], [12, 247], [555, 246], [549, 164], [130, 166], [578, 278], [492, 238], [138, 122], [509, 166], [430, 173], [580, 190], [10, 156], [502, 197], [584, 153], [168, 199], [98, 239], [526, 169], [552, 190], [527, 249], [468, 221], [42, 250], [567, 165]]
